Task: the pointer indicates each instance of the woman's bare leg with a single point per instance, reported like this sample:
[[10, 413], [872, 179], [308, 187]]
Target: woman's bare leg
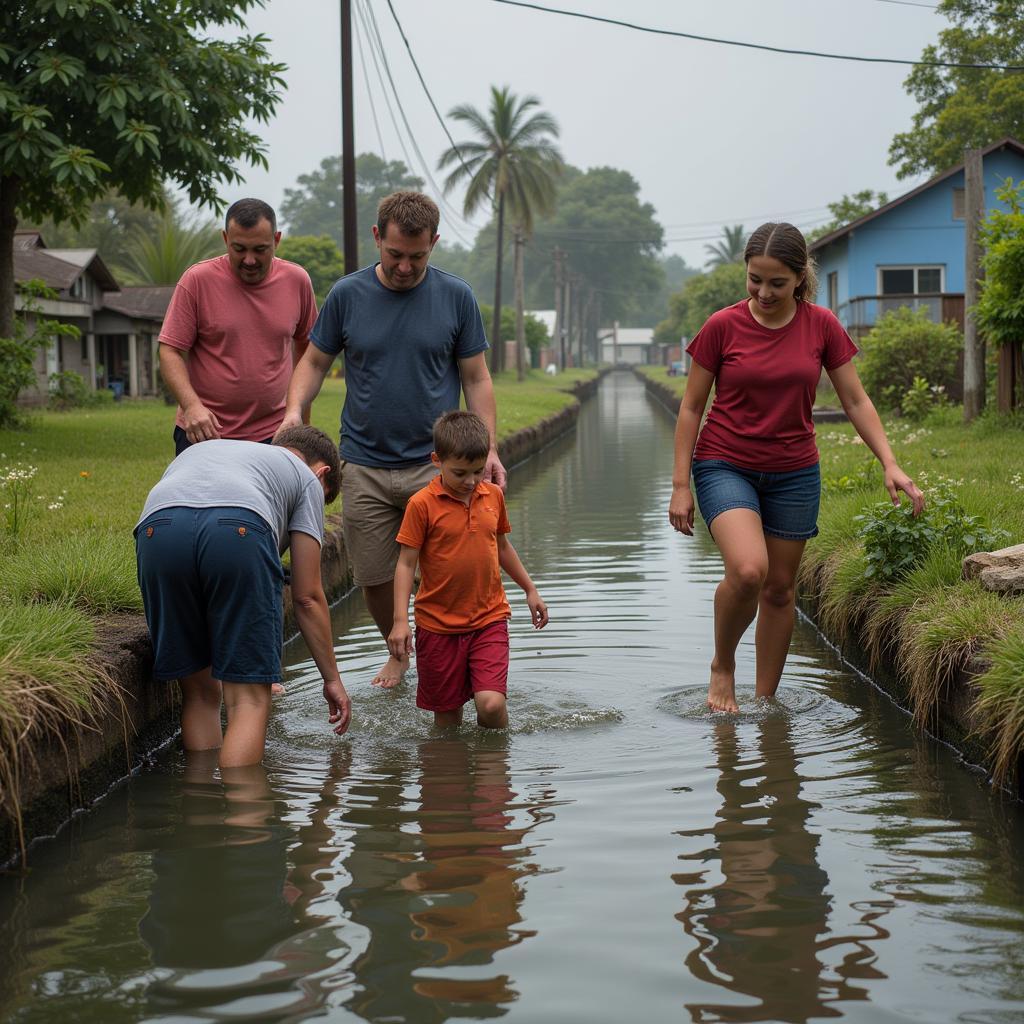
[[739, 537], [776, 612]]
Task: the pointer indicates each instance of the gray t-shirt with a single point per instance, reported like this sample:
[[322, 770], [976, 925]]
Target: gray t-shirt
[[264, 478], [401, 361]]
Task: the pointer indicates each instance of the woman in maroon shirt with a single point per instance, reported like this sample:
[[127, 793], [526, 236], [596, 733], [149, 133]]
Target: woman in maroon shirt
[[755, 467]]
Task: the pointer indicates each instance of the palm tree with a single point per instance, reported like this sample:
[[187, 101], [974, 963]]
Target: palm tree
[[162, 256], [512, 165], [730, 249]]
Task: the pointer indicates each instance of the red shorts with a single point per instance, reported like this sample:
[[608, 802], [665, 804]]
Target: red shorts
[[453, 666]]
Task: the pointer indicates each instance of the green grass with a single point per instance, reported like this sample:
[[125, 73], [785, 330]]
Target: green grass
[[931, 623], [1000, 706]]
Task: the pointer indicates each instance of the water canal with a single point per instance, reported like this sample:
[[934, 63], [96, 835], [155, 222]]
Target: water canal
[[618, 855]]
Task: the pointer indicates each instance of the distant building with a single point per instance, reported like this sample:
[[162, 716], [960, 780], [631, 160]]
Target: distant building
[[119, 326], [909, 252], [635, 345]]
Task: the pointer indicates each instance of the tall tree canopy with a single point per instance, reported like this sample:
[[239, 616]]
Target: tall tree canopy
[[314, 206], [511, 165], [100, 94], [961, 108], [699, 297], [319, 255]]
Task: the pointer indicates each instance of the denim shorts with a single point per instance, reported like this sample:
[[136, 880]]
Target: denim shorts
[[786, 502], [212, 583]]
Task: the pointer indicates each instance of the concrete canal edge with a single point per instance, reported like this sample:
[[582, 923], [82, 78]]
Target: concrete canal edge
[[60, 775], [952, 722]]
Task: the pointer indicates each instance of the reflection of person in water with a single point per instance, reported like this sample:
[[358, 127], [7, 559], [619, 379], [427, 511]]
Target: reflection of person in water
[[218, 896], [447, 897], [760, 931]]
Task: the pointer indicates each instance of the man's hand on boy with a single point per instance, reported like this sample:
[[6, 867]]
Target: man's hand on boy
[[538, 609], [400, 641], [338, 704]]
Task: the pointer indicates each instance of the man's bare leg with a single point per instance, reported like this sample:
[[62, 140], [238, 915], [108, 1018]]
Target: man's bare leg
[[248, 707], [380, 603], [448, 719], [200, 711], [491, 709]]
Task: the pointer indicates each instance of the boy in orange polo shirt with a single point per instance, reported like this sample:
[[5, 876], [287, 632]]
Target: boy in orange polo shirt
[[456, 528]]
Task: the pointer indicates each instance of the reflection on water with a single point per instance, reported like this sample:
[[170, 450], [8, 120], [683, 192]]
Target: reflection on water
[[759, 928], [619, 854]]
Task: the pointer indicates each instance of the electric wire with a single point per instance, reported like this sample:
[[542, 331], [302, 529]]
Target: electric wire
[[425, 167], [373, 107], [755, 46]]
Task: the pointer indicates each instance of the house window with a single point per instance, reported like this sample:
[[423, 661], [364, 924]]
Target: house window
[[833, 290], [80, 288], [910, 280], [958, 203]]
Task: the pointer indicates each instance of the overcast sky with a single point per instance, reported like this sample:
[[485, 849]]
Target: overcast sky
[[714, 134]]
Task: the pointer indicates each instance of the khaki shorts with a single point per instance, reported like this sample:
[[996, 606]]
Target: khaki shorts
[[373, 502]]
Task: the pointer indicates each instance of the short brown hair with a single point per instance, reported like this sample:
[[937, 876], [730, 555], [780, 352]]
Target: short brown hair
[[785, 243], [413, 212], [461, 435], [314, 446]]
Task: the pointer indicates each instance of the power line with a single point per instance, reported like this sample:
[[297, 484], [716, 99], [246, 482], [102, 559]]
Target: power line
[[433, 105], [412, 138], [909, 3], [373, 106], [755, 46]]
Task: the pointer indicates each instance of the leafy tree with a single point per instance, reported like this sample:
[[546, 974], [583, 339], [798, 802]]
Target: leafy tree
[[699, 297], [108, 225], [96, 94], [848, 209], [511, 165], [320, 256], [162, 254], [314, 206], [536, 333], [729, 249], [1000, 310], [961, 108]]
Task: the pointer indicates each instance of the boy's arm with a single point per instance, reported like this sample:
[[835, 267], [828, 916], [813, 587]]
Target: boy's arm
[[400, 638], [509, 561]]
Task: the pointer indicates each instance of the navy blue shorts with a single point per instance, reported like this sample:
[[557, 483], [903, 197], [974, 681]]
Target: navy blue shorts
[[786, 502], [212, 582]]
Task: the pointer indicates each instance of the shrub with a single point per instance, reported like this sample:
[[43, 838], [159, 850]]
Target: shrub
[[920, 399], [905, 344], [895, 542], [68, 390]]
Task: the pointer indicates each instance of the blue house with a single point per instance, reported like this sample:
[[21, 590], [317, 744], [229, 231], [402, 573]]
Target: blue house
[[909, 252]]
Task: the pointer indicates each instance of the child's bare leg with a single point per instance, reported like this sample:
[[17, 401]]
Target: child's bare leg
[[776, 612], [448, 719], [200, 711], [380, 602], [491, 709], [739, 537], [248, 706]]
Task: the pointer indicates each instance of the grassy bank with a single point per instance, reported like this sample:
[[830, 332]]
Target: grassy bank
[[72, 486]]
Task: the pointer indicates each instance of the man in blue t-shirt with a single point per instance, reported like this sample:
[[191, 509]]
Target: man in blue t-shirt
[[413, 338]]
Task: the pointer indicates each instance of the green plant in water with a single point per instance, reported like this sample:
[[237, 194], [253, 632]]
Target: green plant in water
[[895, 542]]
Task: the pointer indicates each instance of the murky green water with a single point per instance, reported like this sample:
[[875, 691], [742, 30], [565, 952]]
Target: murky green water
[[620, 855]]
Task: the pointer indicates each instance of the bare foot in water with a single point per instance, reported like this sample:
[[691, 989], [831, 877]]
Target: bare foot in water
[[391, 674], [277, 690], [722, 691]]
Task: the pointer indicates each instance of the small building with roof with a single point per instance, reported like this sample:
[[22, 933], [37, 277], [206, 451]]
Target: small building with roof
[[119, 326], [909, 252]]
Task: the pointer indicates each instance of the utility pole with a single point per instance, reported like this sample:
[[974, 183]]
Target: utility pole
[[974, 344], [556, 339], [566, 339], [615, 343], [348, 145]]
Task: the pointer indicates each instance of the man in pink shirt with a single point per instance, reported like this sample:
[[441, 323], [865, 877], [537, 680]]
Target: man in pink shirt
[[236, 326]]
